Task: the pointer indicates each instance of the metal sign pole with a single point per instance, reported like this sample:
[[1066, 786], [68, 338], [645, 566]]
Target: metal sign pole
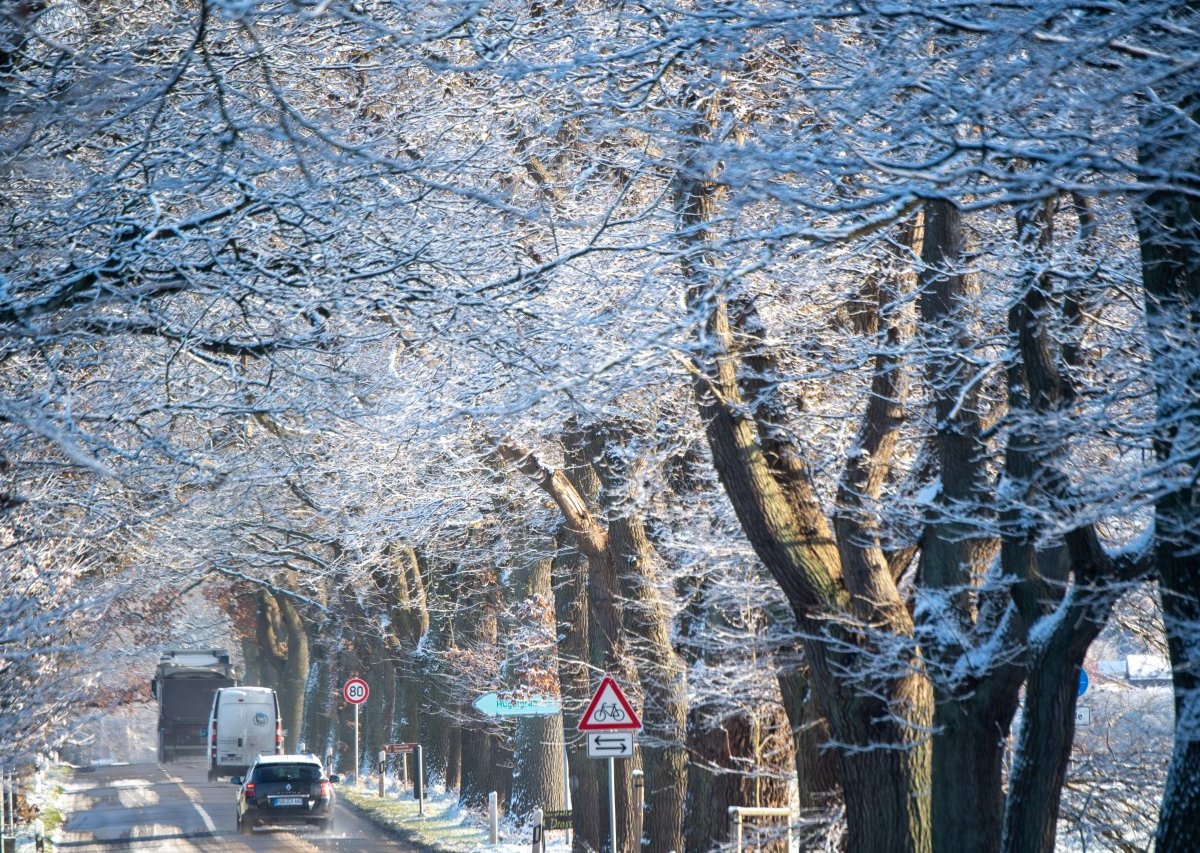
[[567, 783], [357, 760], [420, 781], [612, 804]]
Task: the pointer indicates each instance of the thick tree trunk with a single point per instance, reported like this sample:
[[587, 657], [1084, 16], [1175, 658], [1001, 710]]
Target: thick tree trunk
[[881, 719], [454, 751], [570, 584], [662, 674], [439, 708], [969, 748], [253, 663], [1067, 618], [433, 726], [295, 673], [738, 758], [818, 771], [538, 765], [1048, 726], [1041, 756], [320, 704], [1168, 224], [482, 747], [480, 753], [606, 635], [966, 809], [533, 666], [402, 587]]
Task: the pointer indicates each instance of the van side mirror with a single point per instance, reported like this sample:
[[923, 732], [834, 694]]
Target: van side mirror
[[236, 780], [334, 778]]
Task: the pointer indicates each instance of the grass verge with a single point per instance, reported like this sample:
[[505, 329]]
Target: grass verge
[[442, 827]]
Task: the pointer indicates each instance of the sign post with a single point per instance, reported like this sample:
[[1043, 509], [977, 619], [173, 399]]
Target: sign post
[[356, 692], [610, 723], [419, 782]]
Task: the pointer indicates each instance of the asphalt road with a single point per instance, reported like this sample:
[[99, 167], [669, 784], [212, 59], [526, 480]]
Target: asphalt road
[[173, 808]]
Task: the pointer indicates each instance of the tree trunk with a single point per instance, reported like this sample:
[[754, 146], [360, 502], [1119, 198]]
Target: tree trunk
[[1042, 752], [320, 704], [1066, 618], [533, 667], [880, 719], [959, 544], [454, 751], [969, 748], [663, 678], [433, 726], [538, 766], [818, 772], [606, 636], [295, 672], [736, 761], [480, 753], [570, 584], [1168, 223], [402, 587]]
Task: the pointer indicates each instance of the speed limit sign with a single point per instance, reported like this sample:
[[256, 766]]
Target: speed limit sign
[[356, 691]]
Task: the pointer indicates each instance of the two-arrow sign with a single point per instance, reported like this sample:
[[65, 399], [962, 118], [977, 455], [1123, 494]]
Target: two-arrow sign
[[609, 744]]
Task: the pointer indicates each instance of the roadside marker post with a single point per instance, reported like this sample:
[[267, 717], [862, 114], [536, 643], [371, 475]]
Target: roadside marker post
[[539, 835], [493, 820]]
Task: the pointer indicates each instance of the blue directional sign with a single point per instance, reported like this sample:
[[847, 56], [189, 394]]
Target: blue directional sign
[[492, 705], [1083, 682]]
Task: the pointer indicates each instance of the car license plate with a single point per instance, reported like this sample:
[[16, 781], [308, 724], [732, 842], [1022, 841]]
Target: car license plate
[[288, 801]]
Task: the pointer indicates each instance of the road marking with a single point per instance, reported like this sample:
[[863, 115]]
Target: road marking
[[192, 793], [208, 821]]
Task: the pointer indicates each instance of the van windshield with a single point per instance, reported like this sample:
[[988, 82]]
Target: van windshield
[[287, 773]]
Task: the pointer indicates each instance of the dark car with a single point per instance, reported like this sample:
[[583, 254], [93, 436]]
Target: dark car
[[285, 790]]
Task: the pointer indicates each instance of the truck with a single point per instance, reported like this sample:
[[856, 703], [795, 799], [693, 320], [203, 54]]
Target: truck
[[184, 685]]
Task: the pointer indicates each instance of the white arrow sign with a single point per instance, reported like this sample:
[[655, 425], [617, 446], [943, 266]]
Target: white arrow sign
[[610, 744]]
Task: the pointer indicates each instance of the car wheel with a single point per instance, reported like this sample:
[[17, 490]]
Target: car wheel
[[244, 827]]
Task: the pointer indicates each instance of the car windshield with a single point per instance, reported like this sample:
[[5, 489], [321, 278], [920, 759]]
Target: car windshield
[[287, 773]]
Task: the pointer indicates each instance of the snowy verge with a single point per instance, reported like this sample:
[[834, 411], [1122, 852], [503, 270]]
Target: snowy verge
[[446, 824]]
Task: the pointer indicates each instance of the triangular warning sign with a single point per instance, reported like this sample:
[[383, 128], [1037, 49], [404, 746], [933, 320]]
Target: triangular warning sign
[[609, 709]]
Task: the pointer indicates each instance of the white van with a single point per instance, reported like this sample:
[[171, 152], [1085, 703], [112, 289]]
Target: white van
[[244, 724]]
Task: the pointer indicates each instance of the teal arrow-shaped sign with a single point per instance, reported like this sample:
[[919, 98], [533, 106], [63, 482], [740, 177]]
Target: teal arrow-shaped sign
[[492, 705]]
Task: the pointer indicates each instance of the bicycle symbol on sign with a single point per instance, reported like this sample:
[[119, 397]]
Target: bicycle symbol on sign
[[609, 711]]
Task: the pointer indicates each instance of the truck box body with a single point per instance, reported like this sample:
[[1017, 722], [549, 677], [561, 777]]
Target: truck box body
[[184, 684]]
